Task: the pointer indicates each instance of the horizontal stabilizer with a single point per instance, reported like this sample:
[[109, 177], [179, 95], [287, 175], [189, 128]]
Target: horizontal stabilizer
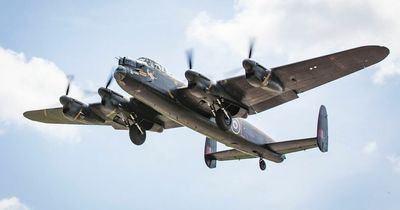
[[290, 146], [231, 154], [320, 141]]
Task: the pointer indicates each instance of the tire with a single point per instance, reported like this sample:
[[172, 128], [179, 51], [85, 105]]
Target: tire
[[262, 165], [222, 121], [136, 137]]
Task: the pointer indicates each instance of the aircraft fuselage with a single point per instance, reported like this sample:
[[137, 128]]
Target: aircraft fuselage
[[155, 89]]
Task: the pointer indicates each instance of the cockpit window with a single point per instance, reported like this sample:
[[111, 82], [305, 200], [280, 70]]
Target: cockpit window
[[152, 64]]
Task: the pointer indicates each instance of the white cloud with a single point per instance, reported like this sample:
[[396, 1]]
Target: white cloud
[[387, 70], [29, 84], [12, 203], [369, 148], [298, 30], [395, 161]]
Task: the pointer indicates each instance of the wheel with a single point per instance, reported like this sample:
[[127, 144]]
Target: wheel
[[224, 122], [136, 137], [262, 164]]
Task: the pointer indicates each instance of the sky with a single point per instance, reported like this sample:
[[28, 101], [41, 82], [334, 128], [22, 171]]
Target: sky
[[87, 167]]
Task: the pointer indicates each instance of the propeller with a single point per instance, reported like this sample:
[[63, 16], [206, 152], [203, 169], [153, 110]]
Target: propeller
[[237, 70], [89, 92], [70, 78], [110, 79], [65, 100], [104, 92], [251, 47], [189, 57]]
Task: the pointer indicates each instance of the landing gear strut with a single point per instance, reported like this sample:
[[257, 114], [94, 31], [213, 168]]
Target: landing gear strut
[[262, 164], [223, 118]]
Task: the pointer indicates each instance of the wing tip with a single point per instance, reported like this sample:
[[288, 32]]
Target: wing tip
[[381, 51], [28, 115], [385, 51], [36, 115], [32, 115]]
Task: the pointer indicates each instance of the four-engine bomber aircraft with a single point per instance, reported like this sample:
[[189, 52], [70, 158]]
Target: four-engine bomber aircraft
[[215, 110]]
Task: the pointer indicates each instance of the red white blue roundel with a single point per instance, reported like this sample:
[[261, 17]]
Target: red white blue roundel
[[235, 127]]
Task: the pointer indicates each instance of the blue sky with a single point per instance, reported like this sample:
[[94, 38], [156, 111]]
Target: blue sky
[[73, 167]]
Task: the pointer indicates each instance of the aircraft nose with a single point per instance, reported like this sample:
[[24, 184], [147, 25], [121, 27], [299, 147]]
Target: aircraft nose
[[120, 73]]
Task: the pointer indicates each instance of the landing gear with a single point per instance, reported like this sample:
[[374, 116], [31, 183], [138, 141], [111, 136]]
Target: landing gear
[[137, 135], [223, 119], [262, 164]]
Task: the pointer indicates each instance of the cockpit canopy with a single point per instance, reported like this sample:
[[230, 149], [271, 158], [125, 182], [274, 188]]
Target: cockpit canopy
[[152, 64], [141, 61]]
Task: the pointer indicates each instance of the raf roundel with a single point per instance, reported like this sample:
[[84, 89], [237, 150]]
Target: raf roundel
[[235, 126]]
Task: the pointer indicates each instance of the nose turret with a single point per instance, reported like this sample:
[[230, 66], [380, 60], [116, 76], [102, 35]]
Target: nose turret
[[120, 73]]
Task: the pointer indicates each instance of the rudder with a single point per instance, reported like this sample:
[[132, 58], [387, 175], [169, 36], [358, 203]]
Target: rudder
[[210, 147], [322, 129]]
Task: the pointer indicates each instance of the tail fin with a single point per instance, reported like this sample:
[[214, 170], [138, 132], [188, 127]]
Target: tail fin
[[210, 147], [322, 129]]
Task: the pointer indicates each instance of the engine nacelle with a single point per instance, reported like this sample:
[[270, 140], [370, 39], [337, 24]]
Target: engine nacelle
[[261, 77], [76, 110], [198, 83], [110, 99]]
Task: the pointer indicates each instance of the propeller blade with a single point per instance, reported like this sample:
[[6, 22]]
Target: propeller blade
[[252, 40], [70, 78], [109, 81], [110, 78], [189, 56], [66, 93]]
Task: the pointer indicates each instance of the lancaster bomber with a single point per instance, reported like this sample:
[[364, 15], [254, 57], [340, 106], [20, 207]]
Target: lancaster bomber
[[214, 109]]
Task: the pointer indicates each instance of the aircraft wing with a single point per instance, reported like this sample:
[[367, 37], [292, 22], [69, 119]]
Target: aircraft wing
[[56, 116], [308, 74], [52, 115], [302, 76]]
